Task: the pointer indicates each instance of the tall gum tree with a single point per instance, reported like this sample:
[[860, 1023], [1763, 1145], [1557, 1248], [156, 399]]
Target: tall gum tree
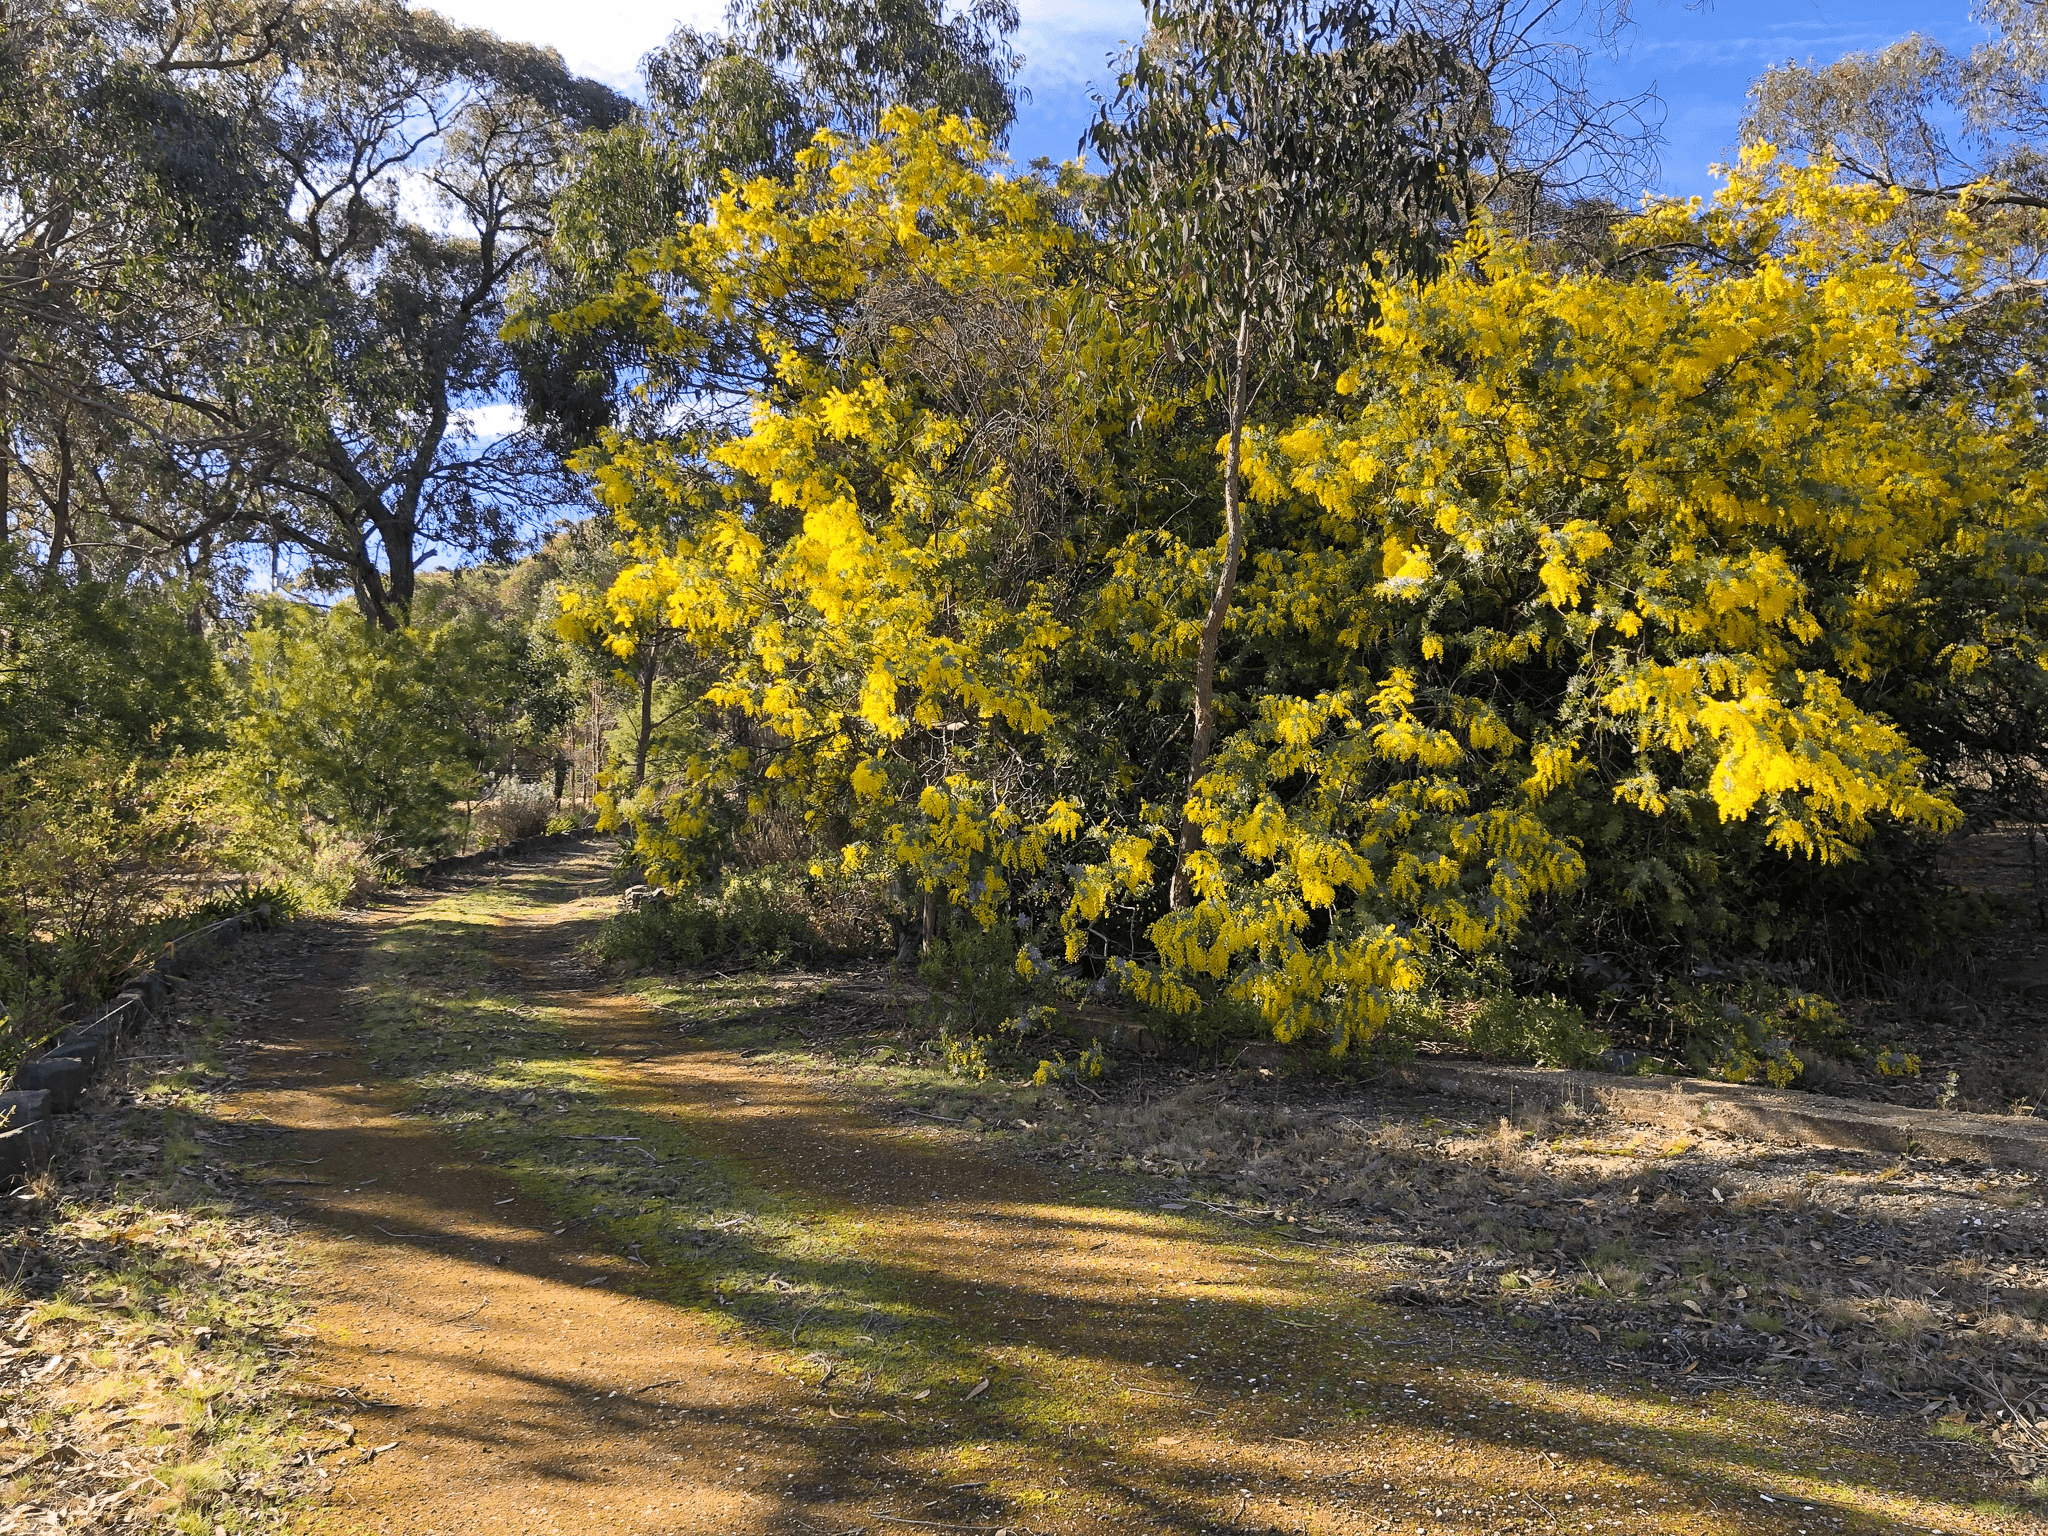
[[1268, 161]]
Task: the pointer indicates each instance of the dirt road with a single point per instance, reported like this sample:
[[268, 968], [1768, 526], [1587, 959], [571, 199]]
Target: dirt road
[[580, 1270]]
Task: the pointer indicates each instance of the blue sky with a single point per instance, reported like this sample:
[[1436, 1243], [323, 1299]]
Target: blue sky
[[1701, 59]]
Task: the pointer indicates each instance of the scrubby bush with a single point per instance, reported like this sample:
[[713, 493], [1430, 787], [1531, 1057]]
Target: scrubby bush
[[514, 810], [96, 854], [1546, 1030], [763, 917], [1747, 1030], [90, 667], [376, 736]]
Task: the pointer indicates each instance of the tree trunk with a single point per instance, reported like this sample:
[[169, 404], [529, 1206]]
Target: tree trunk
[[645, 739], [6, 464], [1190, 839], [60, 506]]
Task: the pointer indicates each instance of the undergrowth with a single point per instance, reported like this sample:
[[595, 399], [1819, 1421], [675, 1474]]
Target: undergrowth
[[761, 918], [149, 1313]]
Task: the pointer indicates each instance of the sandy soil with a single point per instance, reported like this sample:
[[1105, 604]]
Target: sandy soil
[[501, 1368]]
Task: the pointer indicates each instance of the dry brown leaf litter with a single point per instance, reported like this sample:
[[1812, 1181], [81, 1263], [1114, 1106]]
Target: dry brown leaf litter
[[1921, 1282], [147, 1315], [1917, 1287]]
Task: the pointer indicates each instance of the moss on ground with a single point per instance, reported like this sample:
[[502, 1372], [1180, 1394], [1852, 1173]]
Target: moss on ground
[[1302, 1357]]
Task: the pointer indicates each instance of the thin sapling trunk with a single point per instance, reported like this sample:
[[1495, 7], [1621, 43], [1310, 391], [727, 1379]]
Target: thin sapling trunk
[[1190, 839]]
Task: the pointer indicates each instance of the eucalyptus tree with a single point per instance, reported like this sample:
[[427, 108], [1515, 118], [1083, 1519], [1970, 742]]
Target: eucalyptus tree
[[1267, 161], [254, 256], [1922, 118], [420, 162], [133, 188]]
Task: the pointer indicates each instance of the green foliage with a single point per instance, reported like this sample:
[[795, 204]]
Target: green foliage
[[516, 699], [1546, 1030], [283, 900], [86, 666], [94, 855], [974, 981], [363, 732], [761, 917], [1744, 1031]]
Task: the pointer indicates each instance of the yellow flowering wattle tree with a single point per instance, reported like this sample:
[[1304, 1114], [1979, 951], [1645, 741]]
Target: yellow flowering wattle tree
[[1575, 599], [865, 571], [1590, 564]]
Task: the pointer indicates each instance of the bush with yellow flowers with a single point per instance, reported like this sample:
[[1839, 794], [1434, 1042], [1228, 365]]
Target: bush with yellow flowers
[[1575, 607]]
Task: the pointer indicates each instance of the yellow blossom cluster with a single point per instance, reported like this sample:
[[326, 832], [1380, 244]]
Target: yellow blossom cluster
[[1561, 544]]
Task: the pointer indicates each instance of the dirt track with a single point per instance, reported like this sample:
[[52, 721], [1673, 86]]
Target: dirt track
[[1146, 1372]]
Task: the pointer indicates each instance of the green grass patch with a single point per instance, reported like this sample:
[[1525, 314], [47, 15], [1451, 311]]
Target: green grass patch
[[516, 1085]]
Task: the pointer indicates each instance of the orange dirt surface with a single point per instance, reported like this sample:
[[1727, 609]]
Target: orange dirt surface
[[505, 1368]]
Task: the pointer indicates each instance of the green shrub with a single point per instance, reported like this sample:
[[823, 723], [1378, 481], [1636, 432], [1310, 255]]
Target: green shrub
[[1744, 1031], [762, 917], [974, 982], [95, 854], [377, 736], [1546, 1030]]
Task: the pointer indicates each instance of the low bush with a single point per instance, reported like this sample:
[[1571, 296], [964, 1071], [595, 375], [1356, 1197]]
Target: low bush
[[1746, 1030], [95, 855], [1546, 1030], [762, 917], [516, 810]]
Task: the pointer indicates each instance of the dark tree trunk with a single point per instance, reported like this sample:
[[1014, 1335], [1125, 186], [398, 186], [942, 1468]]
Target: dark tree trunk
[[1190, 838], [650, 667]]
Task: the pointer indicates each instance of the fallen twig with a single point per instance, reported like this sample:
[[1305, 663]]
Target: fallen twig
[[940, 1525], [1131, 1386]]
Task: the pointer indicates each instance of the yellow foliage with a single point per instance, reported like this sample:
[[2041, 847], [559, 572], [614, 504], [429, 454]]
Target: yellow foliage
[[1624, 538]]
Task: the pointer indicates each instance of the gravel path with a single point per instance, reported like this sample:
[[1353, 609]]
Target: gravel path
[[571, 1267]]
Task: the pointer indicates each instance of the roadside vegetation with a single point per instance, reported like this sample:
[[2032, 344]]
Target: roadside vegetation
[[1332, 572], [149, 1317]]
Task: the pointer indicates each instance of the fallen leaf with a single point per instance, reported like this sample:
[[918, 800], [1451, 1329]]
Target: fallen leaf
[[977, 1389]]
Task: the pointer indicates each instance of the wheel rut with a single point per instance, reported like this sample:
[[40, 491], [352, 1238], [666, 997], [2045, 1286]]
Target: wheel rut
[[972, 1343]]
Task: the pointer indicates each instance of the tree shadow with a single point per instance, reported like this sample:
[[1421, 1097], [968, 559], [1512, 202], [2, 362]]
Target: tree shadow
[[1146, 1371]]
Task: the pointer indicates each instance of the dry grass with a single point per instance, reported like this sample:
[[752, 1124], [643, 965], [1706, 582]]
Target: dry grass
[[1921, 1283], [146, 1320], [1917, 1287]]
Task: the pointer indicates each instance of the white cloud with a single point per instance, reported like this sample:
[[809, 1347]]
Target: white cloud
[[499, 419], [604, 41]]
